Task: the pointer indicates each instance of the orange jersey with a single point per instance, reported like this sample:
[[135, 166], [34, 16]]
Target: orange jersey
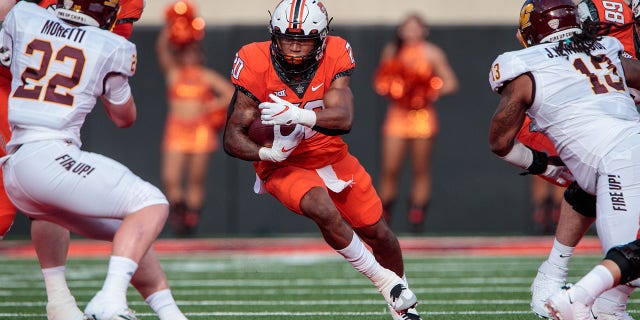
[[255, 75], [616, 13]]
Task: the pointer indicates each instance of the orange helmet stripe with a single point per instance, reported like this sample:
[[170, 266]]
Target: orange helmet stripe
[[296, 14]]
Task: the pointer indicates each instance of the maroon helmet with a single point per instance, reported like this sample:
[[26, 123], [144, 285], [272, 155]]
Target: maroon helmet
[[97, 13], [547, 21]]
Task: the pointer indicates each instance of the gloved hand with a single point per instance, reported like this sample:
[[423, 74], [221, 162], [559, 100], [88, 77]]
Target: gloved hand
[[282, 146], [5, 57], [557, 171], [281, 111], [551, 167]]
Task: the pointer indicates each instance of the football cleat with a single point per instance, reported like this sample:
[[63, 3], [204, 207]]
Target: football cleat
[[64, 310], [102, 308], [409, 314], [395, 291], [125, 314], [562, 307], [606, 309], [544, 286]]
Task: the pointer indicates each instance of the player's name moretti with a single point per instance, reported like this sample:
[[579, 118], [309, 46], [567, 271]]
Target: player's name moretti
[[569, 49], [54, 28]]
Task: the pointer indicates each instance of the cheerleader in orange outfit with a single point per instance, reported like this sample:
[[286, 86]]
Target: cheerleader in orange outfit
[[413, 74], [198, 98]]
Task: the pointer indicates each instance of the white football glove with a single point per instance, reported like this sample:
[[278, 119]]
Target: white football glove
[[282, 146], [557, 171], [5, 57], [281, 111]]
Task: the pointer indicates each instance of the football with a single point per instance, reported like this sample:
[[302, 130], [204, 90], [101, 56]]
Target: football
[[262, 134]]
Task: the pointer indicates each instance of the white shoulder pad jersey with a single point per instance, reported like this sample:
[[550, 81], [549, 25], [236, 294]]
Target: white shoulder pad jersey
[[58, 72], [580, 102]]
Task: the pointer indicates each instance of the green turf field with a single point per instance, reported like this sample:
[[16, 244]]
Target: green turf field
[[307, 287]]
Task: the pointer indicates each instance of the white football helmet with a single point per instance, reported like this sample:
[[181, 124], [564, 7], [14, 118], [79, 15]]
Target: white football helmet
[[299, 20]]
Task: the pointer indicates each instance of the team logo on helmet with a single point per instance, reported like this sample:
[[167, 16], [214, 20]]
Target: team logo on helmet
[[525, 15]]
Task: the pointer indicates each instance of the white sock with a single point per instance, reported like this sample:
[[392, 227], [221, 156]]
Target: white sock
[[56, 284], [164, 305], [560, 255], [119, 274], [360, 258], [597, 281]]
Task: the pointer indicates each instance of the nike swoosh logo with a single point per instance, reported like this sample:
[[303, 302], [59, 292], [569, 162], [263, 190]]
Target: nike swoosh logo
[[285, 150], [562, 255], [315, 88], [281, 112]]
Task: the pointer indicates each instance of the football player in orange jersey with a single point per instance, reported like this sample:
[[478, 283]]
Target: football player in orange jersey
[[577, 210], [51, 241], [302, 77]]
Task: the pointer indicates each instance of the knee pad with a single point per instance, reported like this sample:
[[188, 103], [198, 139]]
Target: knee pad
[[627, 257], [582, 202]]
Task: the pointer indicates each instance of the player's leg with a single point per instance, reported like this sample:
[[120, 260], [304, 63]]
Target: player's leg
[[149, 279], [51, 243], [393, 150], [151, 282], [618, 211], [198, 163], [362, 209], [577, 213], [421, 155], [303, 191]]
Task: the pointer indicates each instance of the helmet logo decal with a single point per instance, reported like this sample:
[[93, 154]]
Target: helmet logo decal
[[554, 23], [111, 3], [68, 4], [525, 16]]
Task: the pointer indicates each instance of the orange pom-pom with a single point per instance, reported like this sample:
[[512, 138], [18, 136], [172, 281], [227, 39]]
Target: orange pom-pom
[[406, 86], [184, 26]]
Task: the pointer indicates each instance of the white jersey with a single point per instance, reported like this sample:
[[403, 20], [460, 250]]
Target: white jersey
[[582, 104], [58, 72]]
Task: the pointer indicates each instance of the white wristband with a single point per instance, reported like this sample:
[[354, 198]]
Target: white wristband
[[519, 156], [307, 118]]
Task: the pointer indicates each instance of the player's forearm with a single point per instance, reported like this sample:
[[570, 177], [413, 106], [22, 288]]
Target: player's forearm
[[334, 121], [338, 112], [238, 145]]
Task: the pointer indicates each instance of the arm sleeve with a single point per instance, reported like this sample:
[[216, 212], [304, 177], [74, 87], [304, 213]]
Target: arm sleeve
[[116, 89]]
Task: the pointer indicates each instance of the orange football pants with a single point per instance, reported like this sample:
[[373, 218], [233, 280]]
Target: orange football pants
[[358, 203]]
